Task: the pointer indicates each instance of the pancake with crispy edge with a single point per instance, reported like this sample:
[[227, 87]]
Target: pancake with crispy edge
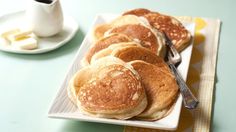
[[130, 52], [147, 37], [161, 89], [99, 30], [136, 28], [109, 89], [173, 28], [102, 44]]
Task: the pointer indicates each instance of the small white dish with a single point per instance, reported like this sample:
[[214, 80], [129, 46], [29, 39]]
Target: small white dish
[[46, 44], [62, 107]]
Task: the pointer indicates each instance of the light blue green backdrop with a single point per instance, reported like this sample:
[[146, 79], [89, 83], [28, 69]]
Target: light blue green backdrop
[[28, 83]]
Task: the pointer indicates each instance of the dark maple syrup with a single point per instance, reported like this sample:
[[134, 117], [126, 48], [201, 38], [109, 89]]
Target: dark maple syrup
[[45, 1]]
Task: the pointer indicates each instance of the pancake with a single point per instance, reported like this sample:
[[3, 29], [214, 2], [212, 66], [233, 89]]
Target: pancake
[[74, 86], [136, 28], [161, 89], [173, 28], [108, 51], [102, 44], [148, 38], [137, 12], [100, 30], [129, 19], [109, 89], [131, 52]]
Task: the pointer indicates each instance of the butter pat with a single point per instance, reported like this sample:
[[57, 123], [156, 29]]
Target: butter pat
[[21, 34], [7, 34], [20, 39], [26, 44]]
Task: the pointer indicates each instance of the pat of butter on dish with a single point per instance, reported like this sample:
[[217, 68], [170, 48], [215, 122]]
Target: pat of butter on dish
[[26, 44], [7, 35], [22, 39], [21, 34]]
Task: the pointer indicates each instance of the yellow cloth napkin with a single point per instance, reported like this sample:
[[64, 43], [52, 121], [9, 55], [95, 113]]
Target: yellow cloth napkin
[[201, 77]]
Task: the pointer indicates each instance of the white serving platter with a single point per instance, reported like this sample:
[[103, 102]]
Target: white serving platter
[[62, 107]]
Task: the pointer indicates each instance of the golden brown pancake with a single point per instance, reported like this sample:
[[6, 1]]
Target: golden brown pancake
[[136, 28], [108, 51], [137, 12], [81, 76], [173, 28], [110, 89], [100, 30], [145, 36], [131, 52], [102, 44], [161, 89]]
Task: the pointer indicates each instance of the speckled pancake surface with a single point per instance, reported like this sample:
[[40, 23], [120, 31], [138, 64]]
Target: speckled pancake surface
[[139, 33], [130, 52], [161, 89], [100, 30], [112, 90], [173, 28]]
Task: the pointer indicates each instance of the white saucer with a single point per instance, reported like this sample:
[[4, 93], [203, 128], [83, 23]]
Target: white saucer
[[17, 19]]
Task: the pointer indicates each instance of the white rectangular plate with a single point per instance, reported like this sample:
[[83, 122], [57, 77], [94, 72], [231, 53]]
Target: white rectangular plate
[[62, 107]]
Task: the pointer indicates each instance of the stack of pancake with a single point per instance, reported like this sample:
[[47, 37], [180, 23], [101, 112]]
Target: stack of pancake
[[124, 75]]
